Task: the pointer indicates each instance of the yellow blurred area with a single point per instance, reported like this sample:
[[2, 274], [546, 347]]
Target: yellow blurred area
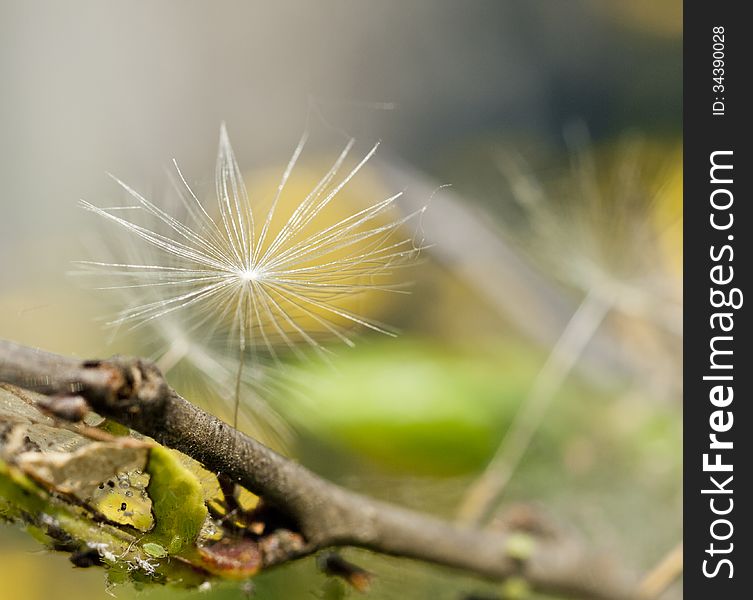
[[362, 192], [18, 573], [28, 573], [661, 17], [657, 177], [58, 320], [669, 212]]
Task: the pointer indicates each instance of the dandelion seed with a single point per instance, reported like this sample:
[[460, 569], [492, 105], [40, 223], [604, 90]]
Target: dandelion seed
[[267, 285], [597, 229], [603, 240]]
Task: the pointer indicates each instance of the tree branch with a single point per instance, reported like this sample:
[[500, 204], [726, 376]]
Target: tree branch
[[133, 392]]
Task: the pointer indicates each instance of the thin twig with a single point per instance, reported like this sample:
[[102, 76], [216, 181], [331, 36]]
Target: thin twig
[[662, 575], [483, 495], [133, 392]]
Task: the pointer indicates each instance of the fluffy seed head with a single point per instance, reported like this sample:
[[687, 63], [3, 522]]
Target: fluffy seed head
[[267, 282]]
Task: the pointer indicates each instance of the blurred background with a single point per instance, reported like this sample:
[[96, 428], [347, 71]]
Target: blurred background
[[546, 311]]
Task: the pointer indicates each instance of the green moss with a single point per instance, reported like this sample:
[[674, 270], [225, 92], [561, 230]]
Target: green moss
[[177, 502], [154, 550], [21, 500], [50, 519]]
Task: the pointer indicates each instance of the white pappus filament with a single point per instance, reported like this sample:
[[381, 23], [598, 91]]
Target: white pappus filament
[[265, 283]]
